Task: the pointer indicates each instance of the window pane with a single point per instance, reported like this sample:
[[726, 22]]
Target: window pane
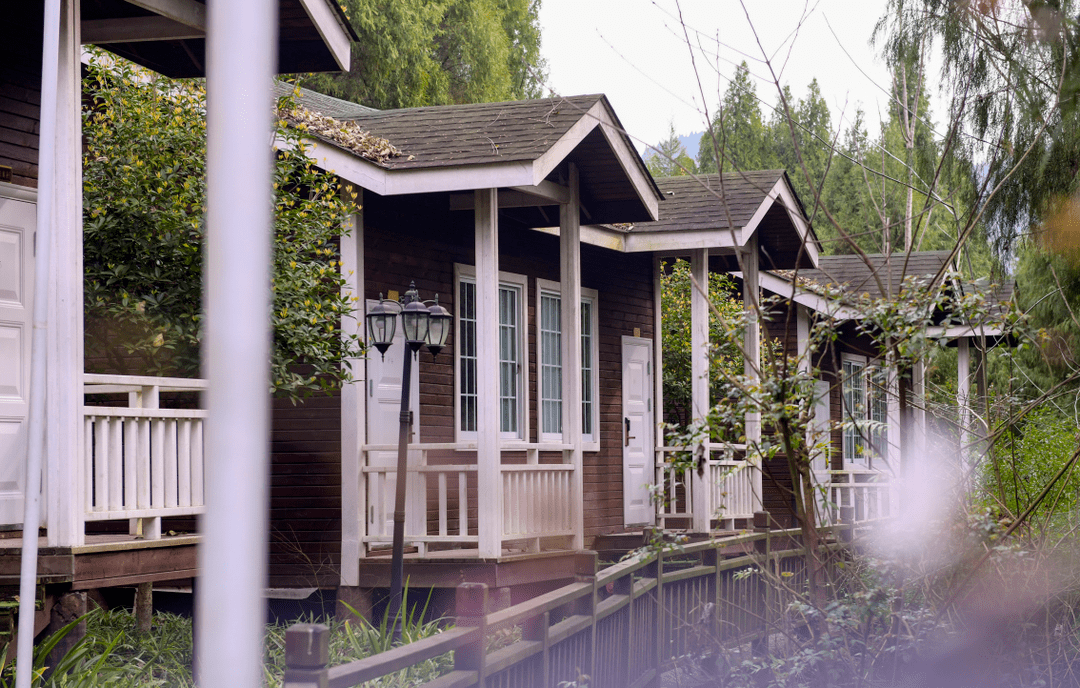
[[509, 363], [550, 364], [586, 369], [854, 410], [879, 409], [467, 357]]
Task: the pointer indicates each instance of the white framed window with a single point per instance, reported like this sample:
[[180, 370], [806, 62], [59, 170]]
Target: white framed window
[[866, 410], [549, 364], [513, 361]]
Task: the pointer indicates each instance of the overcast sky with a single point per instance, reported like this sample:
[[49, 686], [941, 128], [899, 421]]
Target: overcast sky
[[635, 52]]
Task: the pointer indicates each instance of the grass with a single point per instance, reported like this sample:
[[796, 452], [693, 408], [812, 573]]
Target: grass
[[114, 655]]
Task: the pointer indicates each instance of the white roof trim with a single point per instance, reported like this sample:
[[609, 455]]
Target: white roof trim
[[816, 302], [334, 35], [958, 331]]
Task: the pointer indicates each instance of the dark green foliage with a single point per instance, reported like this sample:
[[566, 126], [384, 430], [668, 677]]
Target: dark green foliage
[[435, 52]]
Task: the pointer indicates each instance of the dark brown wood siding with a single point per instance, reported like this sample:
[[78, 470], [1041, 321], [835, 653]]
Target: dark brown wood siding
[[20, 89]]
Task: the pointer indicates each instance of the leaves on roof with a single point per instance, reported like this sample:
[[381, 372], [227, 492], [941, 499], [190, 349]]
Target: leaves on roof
[[348, 135]]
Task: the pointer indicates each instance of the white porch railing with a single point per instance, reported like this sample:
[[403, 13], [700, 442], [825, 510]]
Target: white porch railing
[[870, 493], [732, 487], [142, 462], [441, 508]]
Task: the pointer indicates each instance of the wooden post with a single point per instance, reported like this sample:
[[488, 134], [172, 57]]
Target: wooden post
[[752, 352], [847, 523], [699, 384], [585, 566], [64, 397], [307, 652], [144, 607], [658, 361], [67, 608], [471, 610], [353, 404], [570, 283], [489, 493]]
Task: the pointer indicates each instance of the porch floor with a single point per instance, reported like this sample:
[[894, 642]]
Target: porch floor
[[449, 568], [105, 560]]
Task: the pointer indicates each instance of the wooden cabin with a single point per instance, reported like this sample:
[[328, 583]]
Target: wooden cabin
[[103, 508]]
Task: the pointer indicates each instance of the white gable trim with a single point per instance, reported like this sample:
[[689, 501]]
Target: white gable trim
[[334, 35], [817, 302]]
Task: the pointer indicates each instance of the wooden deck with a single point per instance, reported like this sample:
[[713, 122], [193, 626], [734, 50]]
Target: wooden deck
[[105, 561], [448, 569]]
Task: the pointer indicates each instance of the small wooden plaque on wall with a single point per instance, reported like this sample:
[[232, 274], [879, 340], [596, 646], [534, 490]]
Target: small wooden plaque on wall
[[5, 174]]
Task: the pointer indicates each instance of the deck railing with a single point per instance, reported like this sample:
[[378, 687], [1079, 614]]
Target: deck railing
[[871, 495], [622, 626], [142, 462], [442, 510], [731, 490]]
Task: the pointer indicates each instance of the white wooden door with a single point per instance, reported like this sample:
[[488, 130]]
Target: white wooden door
[[384, 404], [638, 430], [17, 222]]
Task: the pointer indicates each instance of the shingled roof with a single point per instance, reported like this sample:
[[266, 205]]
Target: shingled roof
[[856, 277], [699, 203], [321, 103], [478, 133]]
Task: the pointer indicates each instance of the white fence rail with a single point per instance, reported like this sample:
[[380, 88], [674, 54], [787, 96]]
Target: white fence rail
[[870, 493], [142, 462], [731, 489], [441, 504]]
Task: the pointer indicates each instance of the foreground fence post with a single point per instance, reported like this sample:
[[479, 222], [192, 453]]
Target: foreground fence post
[[847, 524], [307, 652], [471, 609], [762, 524]]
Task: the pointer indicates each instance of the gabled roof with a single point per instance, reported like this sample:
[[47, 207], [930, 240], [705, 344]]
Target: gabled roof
[[699, 203], [724, 213], [169, 38], [506, 145], [852, 273]]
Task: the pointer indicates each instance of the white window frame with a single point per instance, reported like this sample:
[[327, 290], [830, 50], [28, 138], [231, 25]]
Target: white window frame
[[589, 441], [866, 456], [520, 283]]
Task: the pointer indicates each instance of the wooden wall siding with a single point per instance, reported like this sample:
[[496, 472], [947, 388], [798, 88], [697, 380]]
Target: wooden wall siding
[[435, 240], [20, 89], [305, 492]]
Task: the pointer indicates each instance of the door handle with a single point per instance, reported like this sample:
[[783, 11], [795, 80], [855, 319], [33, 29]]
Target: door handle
[[626, 435]]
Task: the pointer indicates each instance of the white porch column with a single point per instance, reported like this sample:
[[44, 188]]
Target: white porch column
[[64, 397], [752, 351], [353, 406], [699, 383], [570, 281], [241, 48], [489, 493], [963, 392]]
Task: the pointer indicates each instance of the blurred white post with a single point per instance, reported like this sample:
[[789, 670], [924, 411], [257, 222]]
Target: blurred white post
[[240, 63], [699, 381]]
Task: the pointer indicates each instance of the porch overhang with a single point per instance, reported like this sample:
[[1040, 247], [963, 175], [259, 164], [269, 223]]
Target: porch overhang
[[169, 36], [615, 185]]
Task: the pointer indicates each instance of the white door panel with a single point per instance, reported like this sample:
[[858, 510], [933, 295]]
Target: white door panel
[[638, 430], [384, 404], [17, 222]]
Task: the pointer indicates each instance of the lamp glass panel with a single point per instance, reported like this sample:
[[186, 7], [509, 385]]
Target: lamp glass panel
[[381, 326]]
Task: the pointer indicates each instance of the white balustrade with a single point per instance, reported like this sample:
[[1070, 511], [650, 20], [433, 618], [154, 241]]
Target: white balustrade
[[869, 492], [537, 498], [732, 490], [142, 462]]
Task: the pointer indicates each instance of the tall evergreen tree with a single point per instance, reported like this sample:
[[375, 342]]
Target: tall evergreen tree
[[737, 132]]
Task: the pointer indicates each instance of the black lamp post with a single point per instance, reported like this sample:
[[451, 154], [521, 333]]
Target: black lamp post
[[422, 325]]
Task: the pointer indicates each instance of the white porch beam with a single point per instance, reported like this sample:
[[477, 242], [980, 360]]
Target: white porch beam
[[699, 376], [64, 398], [353, 406], [570, 288], [136, 30], [548, 191], [752, 349], [186, 12], [489, 493], [513, 197], [240, 56], [334, 35]]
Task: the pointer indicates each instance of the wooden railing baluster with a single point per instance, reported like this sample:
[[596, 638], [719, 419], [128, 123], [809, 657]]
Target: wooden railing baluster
[[307, 653]]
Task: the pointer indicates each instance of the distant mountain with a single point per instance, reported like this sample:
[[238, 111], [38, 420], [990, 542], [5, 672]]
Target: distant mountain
[[689, 142]]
